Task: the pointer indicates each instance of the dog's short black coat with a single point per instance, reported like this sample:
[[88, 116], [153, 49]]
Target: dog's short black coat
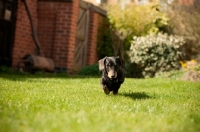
[[112, 73]]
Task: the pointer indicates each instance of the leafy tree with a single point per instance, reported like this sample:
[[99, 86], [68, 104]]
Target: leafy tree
[[132, 21]]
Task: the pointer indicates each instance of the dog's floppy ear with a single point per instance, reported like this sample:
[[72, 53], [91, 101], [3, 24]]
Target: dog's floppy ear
[[101, 63], [122, 62]]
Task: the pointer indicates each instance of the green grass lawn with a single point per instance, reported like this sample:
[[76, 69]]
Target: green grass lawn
[[40, 103]]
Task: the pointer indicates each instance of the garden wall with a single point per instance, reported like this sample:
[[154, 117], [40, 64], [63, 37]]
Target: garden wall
[[56, 24]]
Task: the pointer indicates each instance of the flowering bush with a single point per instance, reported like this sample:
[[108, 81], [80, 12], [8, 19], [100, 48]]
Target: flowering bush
[[156, 53]]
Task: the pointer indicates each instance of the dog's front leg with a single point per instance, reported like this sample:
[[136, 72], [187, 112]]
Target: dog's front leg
[[115, 91], [116, 87], [105, 88]]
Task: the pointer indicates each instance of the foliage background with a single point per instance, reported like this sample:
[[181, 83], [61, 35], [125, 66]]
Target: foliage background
[[184, 21], [163, 16], [135, 20]]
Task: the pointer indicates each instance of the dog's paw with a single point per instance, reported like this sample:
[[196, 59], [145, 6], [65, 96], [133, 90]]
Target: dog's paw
[[115, 92], [106, 90]]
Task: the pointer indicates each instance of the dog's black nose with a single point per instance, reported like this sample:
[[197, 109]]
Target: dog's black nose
[[113, 76]]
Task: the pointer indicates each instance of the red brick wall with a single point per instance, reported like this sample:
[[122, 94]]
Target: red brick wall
[[23, 41], [96, 21], [46, 26], [57, 31], [92, 38], [73, 14], [56, 25]]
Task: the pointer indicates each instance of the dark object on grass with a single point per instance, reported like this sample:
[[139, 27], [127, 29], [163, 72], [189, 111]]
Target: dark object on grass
[[193, 76], [30, 62], [112, 74]]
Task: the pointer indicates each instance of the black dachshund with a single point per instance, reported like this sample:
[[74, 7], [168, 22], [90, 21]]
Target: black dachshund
[[112, 74]]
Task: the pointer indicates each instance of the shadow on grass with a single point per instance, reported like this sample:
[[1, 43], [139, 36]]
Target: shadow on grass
[[17, 76], [136, 95]]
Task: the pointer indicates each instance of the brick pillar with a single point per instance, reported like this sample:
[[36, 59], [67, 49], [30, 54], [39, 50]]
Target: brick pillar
[[92, 38], [60, 48], [72, 34], [65, 35]]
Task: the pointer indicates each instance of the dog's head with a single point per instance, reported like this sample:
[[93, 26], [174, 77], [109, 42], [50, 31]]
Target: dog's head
[[111, 65]]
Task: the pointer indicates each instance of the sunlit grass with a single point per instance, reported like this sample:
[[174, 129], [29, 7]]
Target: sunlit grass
[[53, 103]]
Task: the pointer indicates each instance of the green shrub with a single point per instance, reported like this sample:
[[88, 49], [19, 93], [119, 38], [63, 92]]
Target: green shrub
[[156, 53], [92, 70], [5, 69], [133, 70]]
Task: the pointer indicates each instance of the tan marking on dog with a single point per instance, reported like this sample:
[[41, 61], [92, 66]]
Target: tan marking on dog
[[110, 74], [106, 91]]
